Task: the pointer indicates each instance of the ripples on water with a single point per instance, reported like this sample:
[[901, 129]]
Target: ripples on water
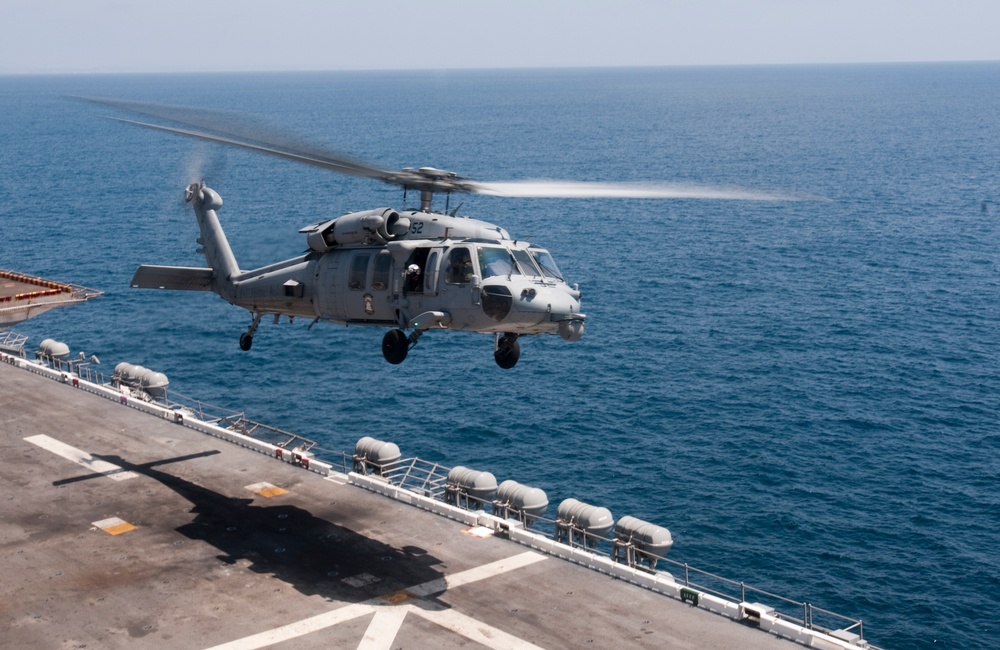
[[805, 393]]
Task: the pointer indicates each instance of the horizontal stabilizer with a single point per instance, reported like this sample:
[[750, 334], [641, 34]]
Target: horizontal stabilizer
[[180, 278]]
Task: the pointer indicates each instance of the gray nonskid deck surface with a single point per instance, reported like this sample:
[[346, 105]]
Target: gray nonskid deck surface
[[325, 564]]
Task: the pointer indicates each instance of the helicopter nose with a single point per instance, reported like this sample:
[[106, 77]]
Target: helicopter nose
[[536, 305]]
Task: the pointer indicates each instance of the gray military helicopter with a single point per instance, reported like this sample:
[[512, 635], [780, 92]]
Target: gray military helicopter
[[411, 271]]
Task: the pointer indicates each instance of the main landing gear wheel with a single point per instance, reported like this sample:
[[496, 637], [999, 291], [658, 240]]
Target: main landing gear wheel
[[507, 352], [395, 345]]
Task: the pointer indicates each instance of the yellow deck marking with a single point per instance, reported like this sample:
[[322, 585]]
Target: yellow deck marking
[[397, 597], [114, 526], [266, 490], [119, 529]]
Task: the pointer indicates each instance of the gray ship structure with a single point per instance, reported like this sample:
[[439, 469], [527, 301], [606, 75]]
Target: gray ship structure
[[26, 296], [134, 517]]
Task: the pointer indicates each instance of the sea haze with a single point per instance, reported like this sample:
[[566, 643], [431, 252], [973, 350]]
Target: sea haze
[[804, 392]]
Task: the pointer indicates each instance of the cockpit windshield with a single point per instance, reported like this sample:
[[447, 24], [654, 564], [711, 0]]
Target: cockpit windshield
[[526, 263], [494, 261], [546, 263]]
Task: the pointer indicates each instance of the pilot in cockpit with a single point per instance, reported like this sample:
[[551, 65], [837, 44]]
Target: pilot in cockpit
[[459, 270]]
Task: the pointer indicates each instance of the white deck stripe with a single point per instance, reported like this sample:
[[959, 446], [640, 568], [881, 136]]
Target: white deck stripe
[[470, 628], [81, 457], [476, 574], [328, 619], [300, 628], [381, 632]]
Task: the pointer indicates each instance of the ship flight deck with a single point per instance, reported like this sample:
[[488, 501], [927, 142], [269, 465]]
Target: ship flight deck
[[123, 529]]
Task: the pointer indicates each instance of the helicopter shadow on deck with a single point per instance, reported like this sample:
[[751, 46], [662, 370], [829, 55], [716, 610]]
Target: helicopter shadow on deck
[[313, 555]]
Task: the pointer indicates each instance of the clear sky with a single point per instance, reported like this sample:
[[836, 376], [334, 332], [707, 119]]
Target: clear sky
[[60, 36]]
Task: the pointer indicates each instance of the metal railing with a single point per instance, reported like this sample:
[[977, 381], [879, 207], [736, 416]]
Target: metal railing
[[236, 421], [420, 476], [430, 479], [82, 368], [226, 418], [12, 343], [800, 613], [268, 434], [202, 410]]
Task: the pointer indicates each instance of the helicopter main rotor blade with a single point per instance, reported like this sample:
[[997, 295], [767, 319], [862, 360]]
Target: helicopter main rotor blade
[[585, 190], [239, 131], [340, 165]]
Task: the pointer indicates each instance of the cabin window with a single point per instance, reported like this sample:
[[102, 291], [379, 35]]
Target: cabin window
[[359, 272], [459, 269], [380, 274]]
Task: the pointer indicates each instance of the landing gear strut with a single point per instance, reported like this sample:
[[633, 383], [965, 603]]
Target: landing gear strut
[[506, 350], [246, 338]]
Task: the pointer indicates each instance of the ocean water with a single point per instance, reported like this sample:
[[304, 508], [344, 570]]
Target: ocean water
[[806, 393]]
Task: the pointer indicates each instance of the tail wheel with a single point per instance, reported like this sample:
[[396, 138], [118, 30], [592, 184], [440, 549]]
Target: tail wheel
[[246, 338], [395, 345], [508, 351]]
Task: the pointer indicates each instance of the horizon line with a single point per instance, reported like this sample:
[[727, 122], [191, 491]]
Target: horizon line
[[81, 73]]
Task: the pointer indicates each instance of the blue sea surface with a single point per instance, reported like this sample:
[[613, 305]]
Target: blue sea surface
[[806, 393]]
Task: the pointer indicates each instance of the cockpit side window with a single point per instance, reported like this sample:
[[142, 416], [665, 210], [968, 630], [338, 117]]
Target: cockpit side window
[[496, 261], [459, 269], [546, 263]]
